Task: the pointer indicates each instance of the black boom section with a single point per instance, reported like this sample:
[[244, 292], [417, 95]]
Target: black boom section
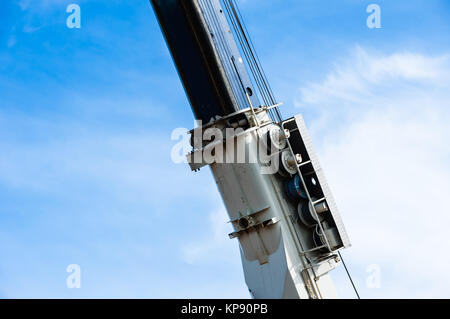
[[196, 59]]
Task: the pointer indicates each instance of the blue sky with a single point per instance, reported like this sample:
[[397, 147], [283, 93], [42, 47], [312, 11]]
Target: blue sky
[[86, 117]]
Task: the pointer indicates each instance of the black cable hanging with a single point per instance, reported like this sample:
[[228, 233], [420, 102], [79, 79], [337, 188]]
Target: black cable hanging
[[245, 51], [247, 42], [221, 42], [247, 55], [252, 58], [258, 62], [349, 276]]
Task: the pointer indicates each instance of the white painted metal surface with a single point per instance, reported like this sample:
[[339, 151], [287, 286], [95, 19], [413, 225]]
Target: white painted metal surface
[[272, 240]]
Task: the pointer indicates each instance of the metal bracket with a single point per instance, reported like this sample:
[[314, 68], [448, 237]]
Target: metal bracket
[[263, 224]]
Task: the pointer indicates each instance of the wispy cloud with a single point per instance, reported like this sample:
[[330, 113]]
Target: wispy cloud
[[380, 130], [42, 4], [364, 76], [216, 245]]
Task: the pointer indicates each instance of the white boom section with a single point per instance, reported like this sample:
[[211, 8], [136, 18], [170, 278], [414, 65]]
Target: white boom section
[[279, 256]]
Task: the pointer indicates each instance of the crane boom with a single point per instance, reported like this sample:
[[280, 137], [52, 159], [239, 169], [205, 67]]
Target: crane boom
[[270, 180]]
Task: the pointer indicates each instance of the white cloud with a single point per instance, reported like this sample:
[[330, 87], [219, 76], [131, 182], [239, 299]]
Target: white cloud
[[107, 196], [213, 250], [12, 41], [42, 4], [216, 246], [382, 134]]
